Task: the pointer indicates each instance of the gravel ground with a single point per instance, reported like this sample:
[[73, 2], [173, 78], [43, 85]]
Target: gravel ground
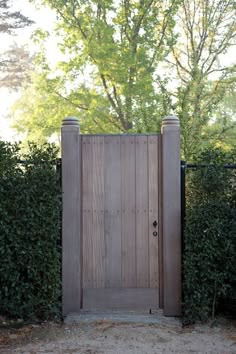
[[108, 337]]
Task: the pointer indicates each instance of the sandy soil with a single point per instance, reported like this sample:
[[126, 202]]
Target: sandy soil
[[108, 337]]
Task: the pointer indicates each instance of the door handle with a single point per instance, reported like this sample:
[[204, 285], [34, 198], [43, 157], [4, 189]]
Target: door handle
[[155, 224]]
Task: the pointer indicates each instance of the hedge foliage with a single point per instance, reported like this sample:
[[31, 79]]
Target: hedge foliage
[[210, 235], [29, 232]]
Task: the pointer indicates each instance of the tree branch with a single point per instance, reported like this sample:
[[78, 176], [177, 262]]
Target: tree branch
[[72, 103]]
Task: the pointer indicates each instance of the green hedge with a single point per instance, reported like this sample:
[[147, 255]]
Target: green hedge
[[29, 232], [210, 235]]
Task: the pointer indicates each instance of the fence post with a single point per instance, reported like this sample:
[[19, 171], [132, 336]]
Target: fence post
[[171, 216], [71, 244], [183, 201]]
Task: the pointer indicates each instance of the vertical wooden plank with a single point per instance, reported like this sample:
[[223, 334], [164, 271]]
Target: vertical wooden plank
[[98, 213], [142, 246], [153, 209], [112, 211], [87, 165], [71, 237], [160, 256], [128, 211], [171, 216]]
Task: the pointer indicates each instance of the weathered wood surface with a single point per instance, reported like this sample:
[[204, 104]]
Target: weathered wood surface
[[98, 213], [112, 211], [120, 203], [160, 217], [71, 235], [122, 298], [87, 218], [171, 216], [129, 275], [114, 188], [142, 230], [153, 210]]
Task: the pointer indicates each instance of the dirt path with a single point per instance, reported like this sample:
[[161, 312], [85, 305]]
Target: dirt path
[[108, 337]]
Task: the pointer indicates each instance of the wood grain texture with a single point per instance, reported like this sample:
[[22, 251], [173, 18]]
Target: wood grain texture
[[71, 237], [87, 173], [112, 180], [129, 275], [171, 221], [160, 217], [153, 209], [142, 229], [98, 213], [123, 298], [120, 203]]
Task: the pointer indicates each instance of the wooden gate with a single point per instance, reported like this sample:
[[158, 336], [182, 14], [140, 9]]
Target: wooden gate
[[120, 203], [121, 220]]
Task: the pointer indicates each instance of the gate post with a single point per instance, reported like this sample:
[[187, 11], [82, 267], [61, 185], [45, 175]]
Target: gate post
[[171, 216], [71, 244]]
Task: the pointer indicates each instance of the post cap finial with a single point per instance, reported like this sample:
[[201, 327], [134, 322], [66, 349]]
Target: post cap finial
[[70, 121], [170, 120]]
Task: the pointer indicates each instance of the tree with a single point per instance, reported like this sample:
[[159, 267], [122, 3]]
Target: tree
[[11, 20], [15, 67], [206, 32], [114, 48], [129, 63], [222, 130], [16, 61]]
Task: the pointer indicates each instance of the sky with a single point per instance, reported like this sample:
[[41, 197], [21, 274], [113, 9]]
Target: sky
[[43, 18]]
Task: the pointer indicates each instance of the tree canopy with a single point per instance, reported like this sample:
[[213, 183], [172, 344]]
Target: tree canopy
[[206, 33], [11, 20], [16, 61], [15, 65], [128, 63]]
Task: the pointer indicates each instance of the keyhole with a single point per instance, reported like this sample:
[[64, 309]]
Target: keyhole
[[155, 223]]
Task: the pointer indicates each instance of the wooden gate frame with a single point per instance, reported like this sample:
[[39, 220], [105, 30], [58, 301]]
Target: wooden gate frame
[[170, 297]]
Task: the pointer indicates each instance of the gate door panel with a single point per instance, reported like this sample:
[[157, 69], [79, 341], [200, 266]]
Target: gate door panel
[[120, 203]]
